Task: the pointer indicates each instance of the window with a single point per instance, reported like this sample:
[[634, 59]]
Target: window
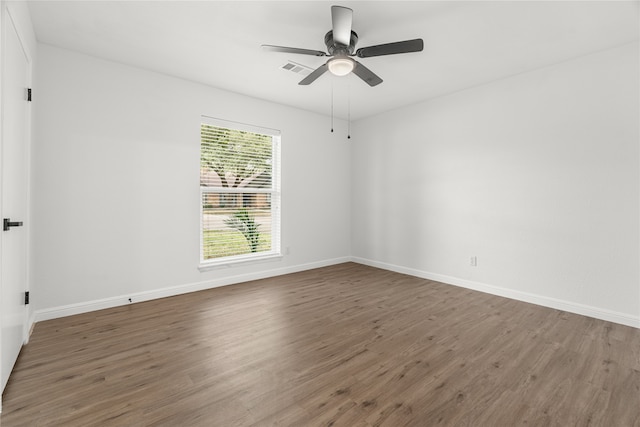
[[239, 192]]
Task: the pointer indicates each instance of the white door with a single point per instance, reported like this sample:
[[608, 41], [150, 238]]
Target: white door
[[14, 162]]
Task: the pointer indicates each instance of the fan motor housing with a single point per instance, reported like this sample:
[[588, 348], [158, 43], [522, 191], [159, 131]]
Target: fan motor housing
[[336, 48]]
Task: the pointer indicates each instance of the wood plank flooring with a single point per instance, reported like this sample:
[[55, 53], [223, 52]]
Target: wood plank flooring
[[347, 345]]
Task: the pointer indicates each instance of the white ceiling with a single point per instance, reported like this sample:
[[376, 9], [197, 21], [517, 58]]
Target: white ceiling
[[218, 43]]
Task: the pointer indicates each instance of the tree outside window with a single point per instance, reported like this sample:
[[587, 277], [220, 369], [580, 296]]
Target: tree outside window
[[240, 198]]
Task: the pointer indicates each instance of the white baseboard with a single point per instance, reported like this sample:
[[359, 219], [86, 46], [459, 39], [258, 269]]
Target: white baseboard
[[88, 306], [571, 307]]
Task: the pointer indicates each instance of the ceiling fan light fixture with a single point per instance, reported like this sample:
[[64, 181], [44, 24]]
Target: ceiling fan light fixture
[[341, 66]]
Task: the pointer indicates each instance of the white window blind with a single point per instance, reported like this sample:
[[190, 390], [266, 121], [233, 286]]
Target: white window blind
[[240, 192]]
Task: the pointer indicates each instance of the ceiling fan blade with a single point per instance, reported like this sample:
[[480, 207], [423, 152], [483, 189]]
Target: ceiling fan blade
[[314, 75], [366, 74], [341, 19], [415, 45], [285, 49]]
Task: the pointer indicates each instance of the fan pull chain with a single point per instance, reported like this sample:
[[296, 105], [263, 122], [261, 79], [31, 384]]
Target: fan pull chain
[[331, 107], [349, 112]]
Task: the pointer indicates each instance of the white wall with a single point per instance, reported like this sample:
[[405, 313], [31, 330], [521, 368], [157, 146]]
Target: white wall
[[116, 184], [537, 175]]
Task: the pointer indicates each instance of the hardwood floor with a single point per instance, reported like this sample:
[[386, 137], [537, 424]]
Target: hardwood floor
[[346, 345]]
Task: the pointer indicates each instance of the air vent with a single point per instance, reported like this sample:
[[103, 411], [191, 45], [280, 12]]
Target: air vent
[[294, 67]]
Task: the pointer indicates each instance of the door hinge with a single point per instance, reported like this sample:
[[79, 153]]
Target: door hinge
[[29, 94], [26, 298]]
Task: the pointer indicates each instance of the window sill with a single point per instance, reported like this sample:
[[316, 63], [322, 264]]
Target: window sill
[[213, 265]]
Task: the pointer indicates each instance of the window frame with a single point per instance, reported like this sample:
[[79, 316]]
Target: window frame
[[274, 191]]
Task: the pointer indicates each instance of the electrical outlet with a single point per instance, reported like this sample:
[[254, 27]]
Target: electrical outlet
[[287, 250], [473, 261]]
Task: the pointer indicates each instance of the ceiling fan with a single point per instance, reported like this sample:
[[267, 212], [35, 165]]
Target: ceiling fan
[[341, 42]]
